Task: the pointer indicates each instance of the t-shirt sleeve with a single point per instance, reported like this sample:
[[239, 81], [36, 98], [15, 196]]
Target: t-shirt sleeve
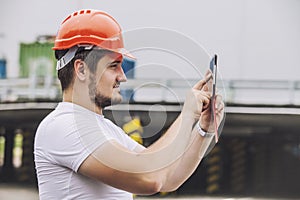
[[124, 139], [74, 143]]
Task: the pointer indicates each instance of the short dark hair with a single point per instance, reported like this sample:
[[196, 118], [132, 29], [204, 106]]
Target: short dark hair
[[90, 57]]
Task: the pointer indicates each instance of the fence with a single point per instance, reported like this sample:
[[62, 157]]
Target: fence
[[158, 90]]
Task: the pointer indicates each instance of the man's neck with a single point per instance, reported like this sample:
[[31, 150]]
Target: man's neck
[[86, 103]]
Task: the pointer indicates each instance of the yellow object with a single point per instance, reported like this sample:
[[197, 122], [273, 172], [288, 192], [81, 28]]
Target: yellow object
[[214, 171], [18, 150], [137, 137], [134, 129], [133, 125], [2, 150]]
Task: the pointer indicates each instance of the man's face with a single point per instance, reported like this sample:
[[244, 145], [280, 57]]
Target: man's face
[[104, 84]]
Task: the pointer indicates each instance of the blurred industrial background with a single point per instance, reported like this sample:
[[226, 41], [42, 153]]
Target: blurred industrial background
[[258, 43]]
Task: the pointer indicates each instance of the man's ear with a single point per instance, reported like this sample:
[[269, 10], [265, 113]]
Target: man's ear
[[80, 69]]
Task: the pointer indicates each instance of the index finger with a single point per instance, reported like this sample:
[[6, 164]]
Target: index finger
[[199, 85]]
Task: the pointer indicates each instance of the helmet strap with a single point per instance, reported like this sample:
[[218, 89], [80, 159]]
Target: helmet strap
[[66, 58]]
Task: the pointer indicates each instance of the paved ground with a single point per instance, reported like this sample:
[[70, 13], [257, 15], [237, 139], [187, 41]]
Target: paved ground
[[16, 192]]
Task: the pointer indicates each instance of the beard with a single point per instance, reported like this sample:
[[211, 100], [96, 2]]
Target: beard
[[100, 100]]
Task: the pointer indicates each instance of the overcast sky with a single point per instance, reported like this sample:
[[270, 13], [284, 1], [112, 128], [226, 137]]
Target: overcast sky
[[255, 39]]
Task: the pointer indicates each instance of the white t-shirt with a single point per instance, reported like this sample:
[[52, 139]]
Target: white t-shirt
[[64, 139]]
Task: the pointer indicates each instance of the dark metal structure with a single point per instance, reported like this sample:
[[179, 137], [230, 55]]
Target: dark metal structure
[[258, 153]]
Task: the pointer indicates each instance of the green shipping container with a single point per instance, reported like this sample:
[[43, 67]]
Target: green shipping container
[[37, 59]]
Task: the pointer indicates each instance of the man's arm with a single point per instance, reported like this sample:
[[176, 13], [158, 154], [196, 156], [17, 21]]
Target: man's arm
[[147, 172], [163, 166], [168, 178], [195, 152]]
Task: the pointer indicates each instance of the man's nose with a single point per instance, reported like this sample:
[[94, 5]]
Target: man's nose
[[121, 76]]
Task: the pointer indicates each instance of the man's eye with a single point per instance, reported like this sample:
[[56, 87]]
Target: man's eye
[[114, 65]]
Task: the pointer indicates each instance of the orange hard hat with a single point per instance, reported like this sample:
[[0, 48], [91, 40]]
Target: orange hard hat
[[90, 27]]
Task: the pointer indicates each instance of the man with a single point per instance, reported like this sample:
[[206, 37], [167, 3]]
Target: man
[[79, 154]]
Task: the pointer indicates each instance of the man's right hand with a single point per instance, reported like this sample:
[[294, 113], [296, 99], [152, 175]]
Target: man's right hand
[[197, 99]]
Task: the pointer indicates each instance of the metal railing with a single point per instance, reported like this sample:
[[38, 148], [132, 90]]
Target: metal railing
[[28, 89], [158, 90]]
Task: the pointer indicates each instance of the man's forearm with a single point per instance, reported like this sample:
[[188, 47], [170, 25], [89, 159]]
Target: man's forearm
[[168, 136], [182, 168], [151, 159], [188, 163]]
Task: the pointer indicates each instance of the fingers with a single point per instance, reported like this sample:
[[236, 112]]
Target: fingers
[[204, 101], [207, 122], [205, 88], [219, 102], [203, 97], [219, 109], [200, 84]]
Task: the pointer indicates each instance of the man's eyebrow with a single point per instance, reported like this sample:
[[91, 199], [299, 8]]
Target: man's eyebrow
[[115, 62]]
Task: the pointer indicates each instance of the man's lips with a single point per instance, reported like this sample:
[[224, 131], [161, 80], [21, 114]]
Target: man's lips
[[117, 85]]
